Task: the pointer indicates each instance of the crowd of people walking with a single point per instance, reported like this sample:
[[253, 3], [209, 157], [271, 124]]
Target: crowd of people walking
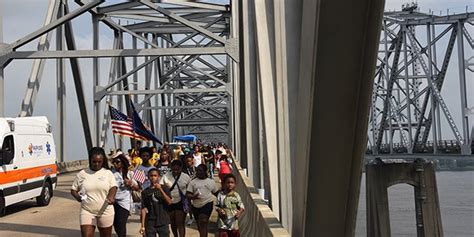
[[163, 186]]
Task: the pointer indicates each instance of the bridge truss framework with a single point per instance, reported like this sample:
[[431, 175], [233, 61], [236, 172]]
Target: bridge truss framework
[[276, 116], [408, 109], [174, 60]]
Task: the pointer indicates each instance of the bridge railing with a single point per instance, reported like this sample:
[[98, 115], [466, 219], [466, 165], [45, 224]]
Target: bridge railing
[[71, 166], [443, 147], [258, 219]]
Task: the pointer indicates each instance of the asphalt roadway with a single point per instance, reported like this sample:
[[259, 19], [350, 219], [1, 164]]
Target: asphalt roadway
[[61, 216]]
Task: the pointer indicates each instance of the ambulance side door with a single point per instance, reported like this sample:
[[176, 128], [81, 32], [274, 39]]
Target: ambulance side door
[[8, 176]]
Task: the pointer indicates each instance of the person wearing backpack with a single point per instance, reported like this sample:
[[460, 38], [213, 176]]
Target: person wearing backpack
[[177, 182], [201, 192]]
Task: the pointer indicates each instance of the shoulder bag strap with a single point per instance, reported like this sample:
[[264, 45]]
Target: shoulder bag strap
[[175, 182]]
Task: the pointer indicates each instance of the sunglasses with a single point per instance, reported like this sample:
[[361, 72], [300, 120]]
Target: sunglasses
[[116, 161]]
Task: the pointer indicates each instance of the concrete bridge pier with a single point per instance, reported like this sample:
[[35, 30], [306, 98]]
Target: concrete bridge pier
[[454, 164], [421, 175]]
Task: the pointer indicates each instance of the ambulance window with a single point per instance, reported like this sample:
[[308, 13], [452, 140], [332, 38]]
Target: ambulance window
[[8, 150]]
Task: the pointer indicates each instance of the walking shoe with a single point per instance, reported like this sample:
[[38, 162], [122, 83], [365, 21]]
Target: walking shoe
[[190, 222]]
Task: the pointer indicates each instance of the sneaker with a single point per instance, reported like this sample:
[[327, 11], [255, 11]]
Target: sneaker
[[190, 222]]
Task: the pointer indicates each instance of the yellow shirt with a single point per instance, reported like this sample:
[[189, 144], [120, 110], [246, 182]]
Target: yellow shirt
[[136, 161], [155, 158], [176, 153]]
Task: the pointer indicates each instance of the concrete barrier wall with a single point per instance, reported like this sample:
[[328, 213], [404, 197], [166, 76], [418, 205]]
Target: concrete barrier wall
[[71, 166], [258, 219]]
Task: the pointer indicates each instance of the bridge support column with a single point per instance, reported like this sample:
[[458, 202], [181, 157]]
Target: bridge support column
[[420, 174], [268, 99], [61, 90], [251, 129], [332, 120], [96, 80], [465, 149]]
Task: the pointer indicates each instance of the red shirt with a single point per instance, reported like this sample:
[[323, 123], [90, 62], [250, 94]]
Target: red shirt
[[225, 168]]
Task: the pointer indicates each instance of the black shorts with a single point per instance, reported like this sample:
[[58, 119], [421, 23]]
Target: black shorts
[[176, 207], [152, 230], [205, 210]]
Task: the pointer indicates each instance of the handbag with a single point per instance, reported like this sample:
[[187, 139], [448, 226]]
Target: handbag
[[184, 199]]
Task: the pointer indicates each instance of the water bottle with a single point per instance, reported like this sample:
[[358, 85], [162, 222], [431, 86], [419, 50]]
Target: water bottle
[[228, 222], [82, 194]]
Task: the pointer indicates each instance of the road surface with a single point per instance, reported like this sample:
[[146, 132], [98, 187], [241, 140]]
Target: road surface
[[61, 216]]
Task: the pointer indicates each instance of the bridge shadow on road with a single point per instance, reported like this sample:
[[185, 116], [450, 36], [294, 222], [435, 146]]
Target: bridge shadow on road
[[39, 230], [61, 217], [63, 194], [25, 205]]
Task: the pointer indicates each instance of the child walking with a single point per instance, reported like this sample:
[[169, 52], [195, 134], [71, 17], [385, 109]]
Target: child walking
[[229, 207], [154, 218]]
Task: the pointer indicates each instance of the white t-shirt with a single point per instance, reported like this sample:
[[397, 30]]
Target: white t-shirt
[[183, 182], [197, 159], [124, 193], [96, 185], [206, 187]]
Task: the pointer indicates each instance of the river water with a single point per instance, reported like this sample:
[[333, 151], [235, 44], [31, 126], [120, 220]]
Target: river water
[[456, 197]]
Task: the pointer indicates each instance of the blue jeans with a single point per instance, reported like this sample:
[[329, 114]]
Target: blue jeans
[[211, 169]]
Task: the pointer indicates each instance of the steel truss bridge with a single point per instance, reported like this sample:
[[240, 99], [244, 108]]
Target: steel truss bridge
[[268, 77], [408, 109], [185, 50]]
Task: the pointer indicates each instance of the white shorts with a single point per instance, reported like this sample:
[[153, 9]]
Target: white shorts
[[103, 221]]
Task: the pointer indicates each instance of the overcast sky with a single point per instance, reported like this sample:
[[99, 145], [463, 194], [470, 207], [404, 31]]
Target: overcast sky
[[21, 17]]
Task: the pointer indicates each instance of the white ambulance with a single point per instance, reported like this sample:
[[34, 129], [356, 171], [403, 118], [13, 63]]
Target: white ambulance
[[27, 161]]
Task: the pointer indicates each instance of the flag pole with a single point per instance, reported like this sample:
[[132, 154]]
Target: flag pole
[[115, 142], [133, 140], [114, 137]]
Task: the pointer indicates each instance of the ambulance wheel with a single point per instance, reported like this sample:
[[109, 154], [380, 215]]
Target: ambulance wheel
[[2, 206], [46, 194]]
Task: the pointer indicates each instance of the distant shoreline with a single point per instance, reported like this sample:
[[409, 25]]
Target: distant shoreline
[[455, 169]]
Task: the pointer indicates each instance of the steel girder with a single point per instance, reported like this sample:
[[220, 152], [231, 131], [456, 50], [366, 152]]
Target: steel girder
[[407, 102], [38, 64], [185, 49], [203, 79]]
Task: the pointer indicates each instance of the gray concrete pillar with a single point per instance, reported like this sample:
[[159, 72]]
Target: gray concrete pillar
[[421, 175], [331, 133]]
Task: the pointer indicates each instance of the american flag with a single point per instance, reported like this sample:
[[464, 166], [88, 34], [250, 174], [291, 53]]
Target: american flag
[[139, 175], [122, 125]]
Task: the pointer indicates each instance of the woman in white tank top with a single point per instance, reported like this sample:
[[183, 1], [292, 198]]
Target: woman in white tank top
[[197, 156]]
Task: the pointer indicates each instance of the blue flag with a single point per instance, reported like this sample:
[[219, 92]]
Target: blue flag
[[140, 129]]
